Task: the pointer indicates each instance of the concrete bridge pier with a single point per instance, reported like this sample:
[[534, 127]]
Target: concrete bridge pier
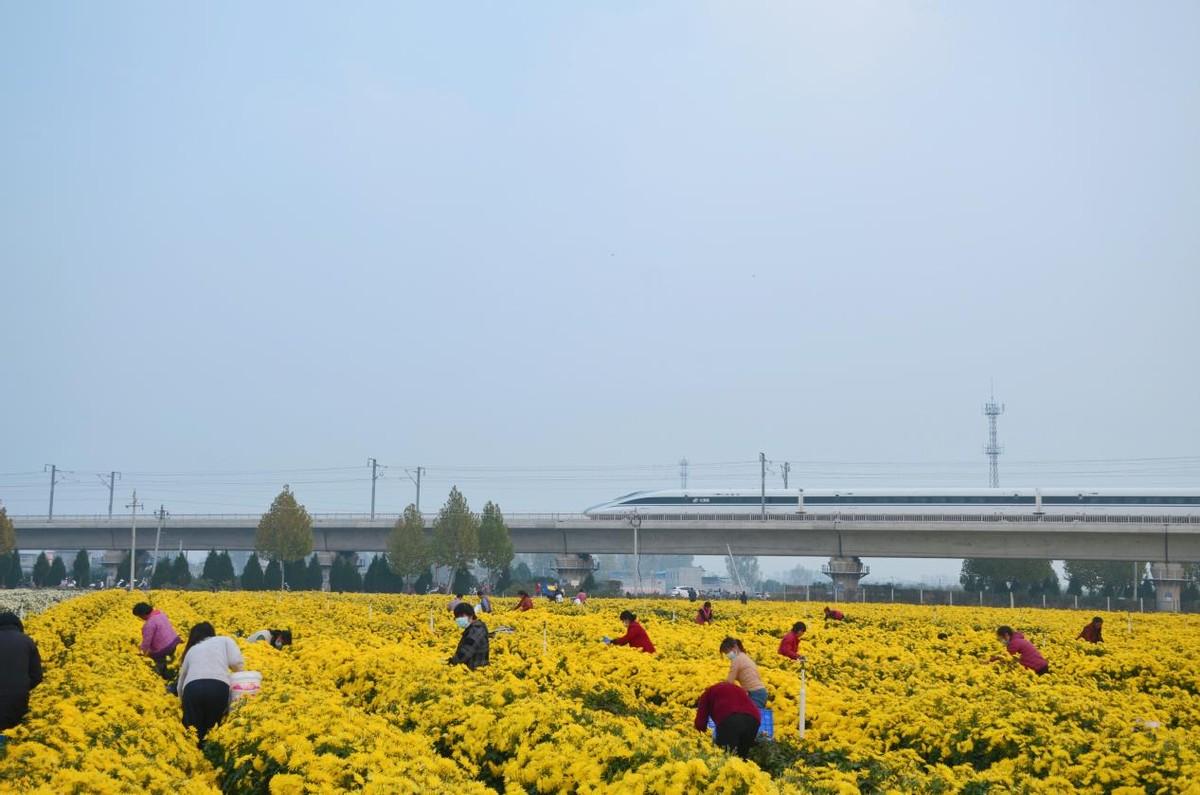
[[1169, 581], [845, 572], [112, 559], [325, 559], [573, 568]]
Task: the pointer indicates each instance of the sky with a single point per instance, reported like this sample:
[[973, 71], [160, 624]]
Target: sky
[[547, 250]]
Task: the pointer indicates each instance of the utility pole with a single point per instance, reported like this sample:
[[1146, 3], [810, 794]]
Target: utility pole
[[762, 460], [162, 517], [374, 476], [110, 481], [787, 467], [53, 470], [417, 480], [683, 464], [133, 506]]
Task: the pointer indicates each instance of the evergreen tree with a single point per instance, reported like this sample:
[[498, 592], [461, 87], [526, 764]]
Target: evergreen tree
[[211, 563], [81, 569], [521, 573], [313, 579], [408, 551], [503, 581], [162, 573], [272, 574], [12, 572], [8, 533], [252, 575], [225, 574], [495, 542], [455, 533], [41, 571], [181, 575], [423, 582], [372, 582], [295, 573], [589, 583], [58, 572], [464, 582], [344, 576], [210, 567], [285, 532]]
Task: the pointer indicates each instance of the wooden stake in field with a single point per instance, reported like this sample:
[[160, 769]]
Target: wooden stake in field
[[803, 700]]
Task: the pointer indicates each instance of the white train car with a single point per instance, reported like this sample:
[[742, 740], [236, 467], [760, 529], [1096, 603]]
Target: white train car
[[1015, 501]]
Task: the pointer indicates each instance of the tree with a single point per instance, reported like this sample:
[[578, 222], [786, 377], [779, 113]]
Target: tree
[[1107, 577], [272, 574], [252, 575], [424, 581], [521, 573], [344, 576], [998, 575], [181, 575], [408, 551], [58, 572], [295, 572], [746, 567], [210, 566], [314, 580], [495, 542], [464, 582], [285, 531], [11, 568], [41, 570], [162, 573], [455, 533], [223, 572], [81, 569], [8, 533]]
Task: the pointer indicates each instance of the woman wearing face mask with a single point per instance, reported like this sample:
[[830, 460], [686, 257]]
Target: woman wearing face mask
[[472, 648], [744, 672]]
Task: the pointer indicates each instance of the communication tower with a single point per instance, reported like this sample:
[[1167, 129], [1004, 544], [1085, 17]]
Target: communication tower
[[992, 410]]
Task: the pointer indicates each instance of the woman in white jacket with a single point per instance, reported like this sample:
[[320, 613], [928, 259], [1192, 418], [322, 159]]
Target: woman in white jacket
[[204, 677]]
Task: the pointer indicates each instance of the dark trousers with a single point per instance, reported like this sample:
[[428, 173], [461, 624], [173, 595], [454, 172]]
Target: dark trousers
[[1045, 669], [737, 733], [204, 704], [160, 659], [13, 706]]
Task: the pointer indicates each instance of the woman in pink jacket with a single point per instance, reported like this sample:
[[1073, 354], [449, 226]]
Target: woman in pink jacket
[[159, 638], [1027, 653]]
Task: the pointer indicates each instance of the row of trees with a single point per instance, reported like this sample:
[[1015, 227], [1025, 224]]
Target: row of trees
[[460, 540], [1037, 577]]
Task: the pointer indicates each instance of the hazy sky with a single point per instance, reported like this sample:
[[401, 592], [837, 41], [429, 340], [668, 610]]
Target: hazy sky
[[535, 239]]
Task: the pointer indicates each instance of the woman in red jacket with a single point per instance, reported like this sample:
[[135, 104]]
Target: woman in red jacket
[[1027, 654], [635, 634], [735, 715], [790, 645]]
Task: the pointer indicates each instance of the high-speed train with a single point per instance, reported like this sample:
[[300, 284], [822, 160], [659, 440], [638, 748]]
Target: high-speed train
[[1062, 501]]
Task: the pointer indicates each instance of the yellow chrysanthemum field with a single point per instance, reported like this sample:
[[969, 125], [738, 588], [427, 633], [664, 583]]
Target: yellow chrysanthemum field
[[363, 700]]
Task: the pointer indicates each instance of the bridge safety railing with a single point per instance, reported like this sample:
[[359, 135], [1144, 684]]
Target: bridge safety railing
[[517, 519]]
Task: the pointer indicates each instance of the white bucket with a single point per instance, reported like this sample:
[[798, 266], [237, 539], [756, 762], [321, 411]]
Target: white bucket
[[244, 683]]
